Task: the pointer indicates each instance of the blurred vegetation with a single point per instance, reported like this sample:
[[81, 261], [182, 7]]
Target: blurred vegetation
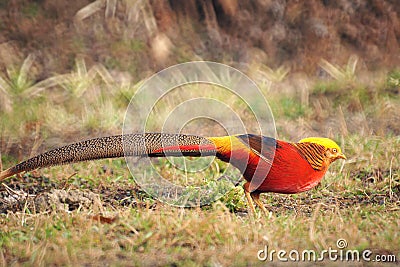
[[119, 34], [86, 53]]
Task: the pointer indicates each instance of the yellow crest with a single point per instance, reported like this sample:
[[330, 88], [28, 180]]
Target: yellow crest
[[326, 142]]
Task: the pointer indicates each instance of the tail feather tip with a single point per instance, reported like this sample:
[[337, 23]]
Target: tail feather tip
[[5, 174]]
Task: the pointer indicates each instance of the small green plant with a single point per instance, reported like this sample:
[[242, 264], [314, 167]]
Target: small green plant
[[15, 84], [342, 74], [267, 76], [393, 79], [77, 82], [277, 75], [18, 87], [324, 87]]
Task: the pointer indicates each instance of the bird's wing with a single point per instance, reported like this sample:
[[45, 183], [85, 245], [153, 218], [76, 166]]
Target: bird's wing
[[262, 146]]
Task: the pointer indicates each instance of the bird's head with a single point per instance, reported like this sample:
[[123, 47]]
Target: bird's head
[[333, 151]]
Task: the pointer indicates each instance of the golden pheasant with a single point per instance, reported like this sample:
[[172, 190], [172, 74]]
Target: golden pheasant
[[267, 164]]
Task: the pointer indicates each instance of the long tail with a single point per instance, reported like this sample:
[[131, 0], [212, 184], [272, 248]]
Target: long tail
[[147, 144]]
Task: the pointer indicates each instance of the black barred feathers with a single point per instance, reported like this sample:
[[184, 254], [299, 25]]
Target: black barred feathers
[[313, 153], [107, 147]]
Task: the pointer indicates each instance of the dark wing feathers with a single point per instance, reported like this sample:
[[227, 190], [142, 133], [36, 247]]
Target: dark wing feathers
[[262, 144]]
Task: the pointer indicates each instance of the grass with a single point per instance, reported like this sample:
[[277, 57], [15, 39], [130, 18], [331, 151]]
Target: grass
[[163, 235], [105, 218]]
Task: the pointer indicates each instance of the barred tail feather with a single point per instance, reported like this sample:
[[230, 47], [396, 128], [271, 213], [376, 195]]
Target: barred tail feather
[[148, 144], [7, 173]]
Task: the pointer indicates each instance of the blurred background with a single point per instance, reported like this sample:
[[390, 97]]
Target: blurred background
[[69, 68]]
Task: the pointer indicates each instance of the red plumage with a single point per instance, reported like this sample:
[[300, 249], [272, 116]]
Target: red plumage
[[276, 165], [289, 173]]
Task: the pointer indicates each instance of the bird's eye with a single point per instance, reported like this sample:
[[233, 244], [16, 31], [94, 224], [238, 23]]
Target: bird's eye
[[334, 150]]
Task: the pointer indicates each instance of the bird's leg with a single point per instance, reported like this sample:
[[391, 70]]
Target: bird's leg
[[250, 201], [253, 197], [249, 197], [256, 198]]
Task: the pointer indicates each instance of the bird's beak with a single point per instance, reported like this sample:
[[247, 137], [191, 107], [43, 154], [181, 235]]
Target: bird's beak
[[341, 156]]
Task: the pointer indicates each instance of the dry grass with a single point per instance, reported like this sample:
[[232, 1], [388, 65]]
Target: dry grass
[[162, 235]]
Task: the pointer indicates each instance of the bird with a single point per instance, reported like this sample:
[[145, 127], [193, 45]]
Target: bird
[[268, 165]]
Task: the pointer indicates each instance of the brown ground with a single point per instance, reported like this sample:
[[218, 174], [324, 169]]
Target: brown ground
[[41, 195]]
